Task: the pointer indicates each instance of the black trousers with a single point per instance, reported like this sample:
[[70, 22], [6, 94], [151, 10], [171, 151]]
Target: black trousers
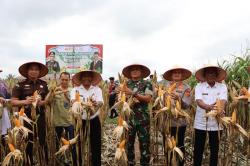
[[200, 138], [113, 112], [180, 134], [95, 140], [40, 131]]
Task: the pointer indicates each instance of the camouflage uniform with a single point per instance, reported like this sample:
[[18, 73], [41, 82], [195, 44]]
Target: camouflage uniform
[[140, 123]]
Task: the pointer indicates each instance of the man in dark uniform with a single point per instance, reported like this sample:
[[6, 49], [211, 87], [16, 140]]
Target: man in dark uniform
[[139, 122], [52, 64], [22, 95], [96, 64]]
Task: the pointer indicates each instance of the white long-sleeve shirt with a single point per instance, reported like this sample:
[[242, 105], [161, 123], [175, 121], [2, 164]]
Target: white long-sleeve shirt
[[208, 95], [93, 91]]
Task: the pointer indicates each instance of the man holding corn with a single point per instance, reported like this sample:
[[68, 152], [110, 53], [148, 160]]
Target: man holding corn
[[31, 93], [139, 121], [63, 120], [210, 95], [89, 92]]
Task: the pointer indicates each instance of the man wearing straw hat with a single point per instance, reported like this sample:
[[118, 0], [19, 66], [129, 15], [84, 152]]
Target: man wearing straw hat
[[177, 75], [207, 92], [139, 121], [22, 95], [4, 116], [88, 81]]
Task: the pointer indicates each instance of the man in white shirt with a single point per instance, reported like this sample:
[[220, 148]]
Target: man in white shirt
[[206, 93], [88, 81]]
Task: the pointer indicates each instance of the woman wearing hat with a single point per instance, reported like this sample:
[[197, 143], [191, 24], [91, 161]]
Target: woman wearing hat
[[22, 95], [207, 92], [88, 81], [182, 93], [139, 122]]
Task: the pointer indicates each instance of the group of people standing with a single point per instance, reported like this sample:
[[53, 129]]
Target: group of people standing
[[209, 89]]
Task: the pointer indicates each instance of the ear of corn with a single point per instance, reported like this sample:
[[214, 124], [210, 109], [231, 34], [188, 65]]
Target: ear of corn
[[123, 99], [77, 96], [36, 97], [120, 121], [173, 141], [160, 90], [234, 117], [122, 144], [169, 143], [17, 122], [64, 141], [178, 105], [219, 106], [168, 102], [11, 147], [74, 140], [171, 88], [21, 112]]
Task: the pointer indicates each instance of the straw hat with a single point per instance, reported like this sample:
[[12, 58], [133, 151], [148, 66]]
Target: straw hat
[[185, 73], [23, 69], [222, 74], [144, 70], [96, 77]]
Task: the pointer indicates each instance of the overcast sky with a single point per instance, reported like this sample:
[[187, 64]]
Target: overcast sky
[[159, 33]]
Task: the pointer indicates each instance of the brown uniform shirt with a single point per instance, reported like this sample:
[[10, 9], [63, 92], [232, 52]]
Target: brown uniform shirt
[[26, 88]]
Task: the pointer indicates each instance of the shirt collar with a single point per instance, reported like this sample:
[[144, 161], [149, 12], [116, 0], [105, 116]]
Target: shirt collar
[[208, 86], [139, 81], [29, 81], [82, 87]]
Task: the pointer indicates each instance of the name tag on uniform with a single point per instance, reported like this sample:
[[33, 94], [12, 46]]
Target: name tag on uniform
[[27, 86], [204, 93]]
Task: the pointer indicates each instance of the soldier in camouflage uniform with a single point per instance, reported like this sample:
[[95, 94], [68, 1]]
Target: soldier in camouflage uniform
[[140, 120], [182, 93]]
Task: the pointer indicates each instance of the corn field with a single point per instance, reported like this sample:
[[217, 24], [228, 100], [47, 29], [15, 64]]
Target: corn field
[[234, 141]]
